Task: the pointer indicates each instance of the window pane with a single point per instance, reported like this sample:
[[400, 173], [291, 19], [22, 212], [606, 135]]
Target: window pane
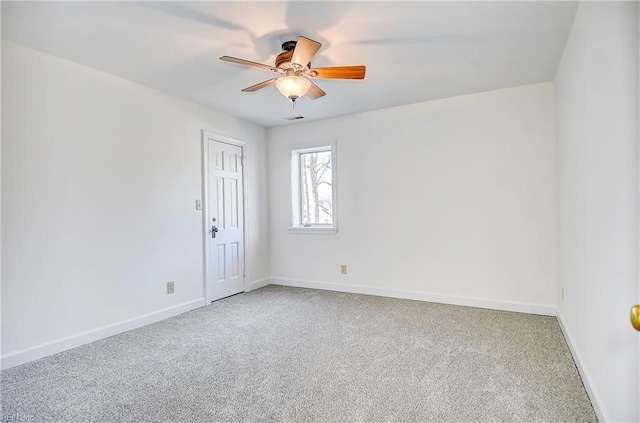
[[316, 200]]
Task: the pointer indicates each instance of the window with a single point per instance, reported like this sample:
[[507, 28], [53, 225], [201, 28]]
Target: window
[[313, 188]]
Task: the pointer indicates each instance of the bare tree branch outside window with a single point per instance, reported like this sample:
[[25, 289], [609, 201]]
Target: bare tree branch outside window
[[317, 200]]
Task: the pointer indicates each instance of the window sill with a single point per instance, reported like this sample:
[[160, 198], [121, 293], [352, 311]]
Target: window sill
[[313, 231]]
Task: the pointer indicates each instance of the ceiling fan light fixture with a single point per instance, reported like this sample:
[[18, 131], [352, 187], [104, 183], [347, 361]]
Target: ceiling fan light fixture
[[293, 67], [293, 87]]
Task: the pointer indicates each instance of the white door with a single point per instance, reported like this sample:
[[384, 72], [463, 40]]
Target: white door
[[226, 220]]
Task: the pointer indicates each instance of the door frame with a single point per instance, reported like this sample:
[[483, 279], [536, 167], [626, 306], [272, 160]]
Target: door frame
[[206, 270]]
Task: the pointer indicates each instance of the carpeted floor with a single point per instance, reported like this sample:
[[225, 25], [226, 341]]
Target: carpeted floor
[[290, 354]]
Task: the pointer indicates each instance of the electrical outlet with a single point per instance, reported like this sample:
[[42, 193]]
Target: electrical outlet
[[343, 269], [170, 287], [562, 295]]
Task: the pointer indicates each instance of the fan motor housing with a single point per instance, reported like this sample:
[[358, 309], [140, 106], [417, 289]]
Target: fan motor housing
[[283, 60]]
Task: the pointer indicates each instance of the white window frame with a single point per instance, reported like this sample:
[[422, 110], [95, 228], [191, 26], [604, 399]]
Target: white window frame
[[296, 205]]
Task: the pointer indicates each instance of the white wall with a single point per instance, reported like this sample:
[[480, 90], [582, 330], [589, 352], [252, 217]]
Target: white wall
[[597, 122], [99, 181], [438, 200], [0, 195]]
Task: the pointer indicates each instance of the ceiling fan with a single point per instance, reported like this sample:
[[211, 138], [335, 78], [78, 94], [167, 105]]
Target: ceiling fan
[[295, 73]]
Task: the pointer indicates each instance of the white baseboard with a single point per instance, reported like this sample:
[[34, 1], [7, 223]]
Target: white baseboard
[[259, 284], [594, 396], [39, 351], [545, 310]]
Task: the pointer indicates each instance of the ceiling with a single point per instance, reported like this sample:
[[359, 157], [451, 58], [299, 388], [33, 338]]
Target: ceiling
[[414, 51]]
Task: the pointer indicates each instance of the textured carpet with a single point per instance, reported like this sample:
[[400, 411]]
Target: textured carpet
[[290, 354]]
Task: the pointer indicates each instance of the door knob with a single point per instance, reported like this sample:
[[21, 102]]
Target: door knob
[[213, 231], [635, 317]]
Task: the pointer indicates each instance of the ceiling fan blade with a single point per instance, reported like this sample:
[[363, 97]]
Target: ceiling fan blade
[[315, 91], [248, 63], [259, 86], [341, 72], [304, 51]]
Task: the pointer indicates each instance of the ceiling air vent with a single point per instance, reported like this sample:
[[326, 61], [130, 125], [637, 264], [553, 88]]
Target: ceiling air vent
[[294, 118]]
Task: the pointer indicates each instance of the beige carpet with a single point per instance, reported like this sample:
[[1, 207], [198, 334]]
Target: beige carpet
[[289, 354]]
